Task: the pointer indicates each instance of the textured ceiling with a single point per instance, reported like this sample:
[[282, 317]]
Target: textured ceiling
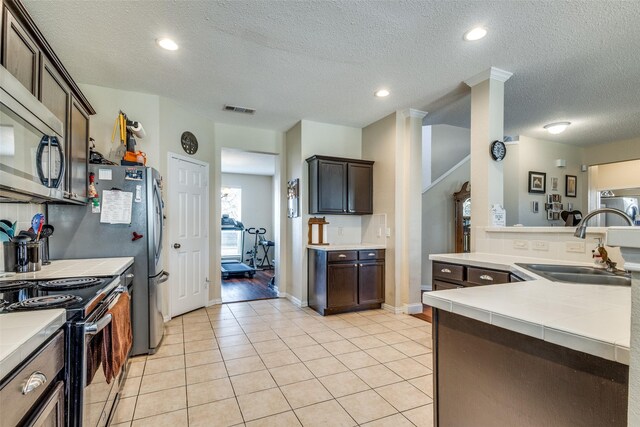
[[322, 60]]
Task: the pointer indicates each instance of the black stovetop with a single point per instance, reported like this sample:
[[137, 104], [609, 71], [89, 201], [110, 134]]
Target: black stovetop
[[79, 297]]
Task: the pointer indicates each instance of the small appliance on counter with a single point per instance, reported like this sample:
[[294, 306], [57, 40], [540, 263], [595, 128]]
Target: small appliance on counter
[[127, 220]]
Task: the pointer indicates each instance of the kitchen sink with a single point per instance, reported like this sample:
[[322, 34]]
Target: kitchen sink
[[579, 274]]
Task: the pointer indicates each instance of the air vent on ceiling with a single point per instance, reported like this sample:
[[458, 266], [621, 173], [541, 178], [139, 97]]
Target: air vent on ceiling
[[236, 109]]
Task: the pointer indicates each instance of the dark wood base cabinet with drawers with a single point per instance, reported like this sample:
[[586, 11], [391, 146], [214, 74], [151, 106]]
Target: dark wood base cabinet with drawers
[[33, 395], [454, 276], [341, 281]]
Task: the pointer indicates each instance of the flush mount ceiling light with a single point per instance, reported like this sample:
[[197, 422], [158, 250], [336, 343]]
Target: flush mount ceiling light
[[167, 44], [475, 34], [381, 93], [556, 128]]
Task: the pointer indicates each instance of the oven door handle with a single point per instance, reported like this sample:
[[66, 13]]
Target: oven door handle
[[95, 327]]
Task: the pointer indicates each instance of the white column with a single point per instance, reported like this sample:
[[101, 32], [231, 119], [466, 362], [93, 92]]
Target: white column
[[409, 210], [487, 125]]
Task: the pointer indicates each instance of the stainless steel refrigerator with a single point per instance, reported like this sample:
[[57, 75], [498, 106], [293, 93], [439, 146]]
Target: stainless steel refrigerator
[[81, 232]]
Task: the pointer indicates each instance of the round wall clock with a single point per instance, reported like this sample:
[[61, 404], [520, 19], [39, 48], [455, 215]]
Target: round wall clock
[[189, 142], [498, 150]]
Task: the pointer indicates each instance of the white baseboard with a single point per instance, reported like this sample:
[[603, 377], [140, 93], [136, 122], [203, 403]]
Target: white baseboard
[[412, 308], [405, 309], [214, 302], [296, 301], [392, 309]]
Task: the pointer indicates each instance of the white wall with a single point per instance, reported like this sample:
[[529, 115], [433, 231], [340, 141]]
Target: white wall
[[449, 145], [610, 152], [540, 155], [295, 226], [438, 222], [257, 204], [378, 144], [141, 107]]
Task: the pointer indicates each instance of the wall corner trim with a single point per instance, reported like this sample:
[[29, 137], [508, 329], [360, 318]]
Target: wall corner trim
[[492, 73], [411, 112]]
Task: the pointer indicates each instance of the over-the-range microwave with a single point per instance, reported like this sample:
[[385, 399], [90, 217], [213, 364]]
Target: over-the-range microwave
[[32, 160]]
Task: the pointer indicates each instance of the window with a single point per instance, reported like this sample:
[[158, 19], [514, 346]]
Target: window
[[231, 202]]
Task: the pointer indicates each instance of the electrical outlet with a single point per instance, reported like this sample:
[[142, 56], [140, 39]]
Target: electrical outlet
[[578, 247], [540, 245], [379, 232], [340, 231], [520, 244], [388, 231]]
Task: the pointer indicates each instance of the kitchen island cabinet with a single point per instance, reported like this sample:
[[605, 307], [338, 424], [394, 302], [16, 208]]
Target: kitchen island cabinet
[[342, 280], [531, 353]]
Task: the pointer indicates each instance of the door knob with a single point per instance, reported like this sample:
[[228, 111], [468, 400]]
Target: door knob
[[176, 245]]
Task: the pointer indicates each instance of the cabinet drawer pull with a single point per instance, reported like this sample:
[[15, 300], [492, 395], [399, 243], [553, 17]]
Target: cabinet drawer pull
[[486, 277], [342, 256], [445, 270], [35, 380], [371, 254]]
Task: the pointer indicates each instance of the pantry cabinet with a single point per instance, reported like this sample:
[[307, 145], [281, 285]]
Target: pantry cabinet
[[340, 186], [341, 281]]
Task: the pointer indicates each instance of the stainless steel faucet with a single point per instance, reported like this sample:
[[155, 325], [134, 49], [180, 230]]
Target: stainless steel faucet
[[581, 231]]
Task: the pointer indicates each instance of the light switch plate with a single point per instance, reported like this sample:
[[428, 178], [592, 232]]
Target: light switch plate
[[578, 247], [520, 244], [540, 245]]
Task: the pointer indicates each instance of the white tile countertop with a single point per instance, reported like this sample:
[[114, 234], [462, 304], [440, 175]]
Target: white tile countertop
[[75, 268], [349, 247], [22, 333], [593, 319]]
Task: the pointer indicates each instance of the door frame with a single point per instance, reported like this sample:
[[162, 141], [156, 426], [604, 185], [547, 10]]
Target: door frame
[[171, 158]]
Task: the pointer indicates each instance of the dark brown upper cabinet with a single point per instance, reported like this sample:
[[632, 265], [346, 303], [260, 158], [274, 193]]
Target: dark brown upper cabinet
[[339, 186], [27, 55], [20, 53]]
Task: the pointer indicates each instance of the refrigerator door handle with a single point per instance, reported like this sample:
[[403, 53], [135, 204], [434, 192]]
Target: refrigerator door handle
[[163, 277]]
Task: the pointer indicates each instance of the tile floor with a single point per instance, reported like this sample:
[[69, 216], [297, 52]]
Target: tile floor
[[269, 363]]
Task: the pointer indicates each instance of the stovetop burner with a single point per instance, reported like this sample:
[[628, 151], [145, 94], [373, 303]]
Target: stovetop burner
[[14, 285], [71, 283], [49, 301]]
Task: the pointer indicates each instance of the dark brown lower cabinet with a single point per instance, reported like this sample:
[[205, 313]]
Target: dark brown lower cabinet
[[341, 281], [486, 376], [51, 413]]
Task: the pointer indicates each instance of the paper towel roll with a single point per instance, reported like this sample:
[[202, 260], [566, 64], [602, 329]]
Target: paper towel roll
[[137, 130]]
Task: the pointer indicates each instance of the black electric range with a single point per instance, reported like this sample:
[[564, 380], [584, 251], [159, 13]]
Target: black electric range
[[79, 296], [87, 301]]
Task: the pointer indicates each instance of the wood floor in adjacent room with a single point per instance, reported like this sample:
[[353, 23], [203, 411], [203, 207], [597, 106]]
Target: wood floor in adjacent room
[[236, 289]]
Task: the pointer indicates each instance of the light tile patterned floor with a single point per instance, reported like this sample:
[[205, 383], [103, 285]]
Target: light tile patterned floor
[[269, 363]]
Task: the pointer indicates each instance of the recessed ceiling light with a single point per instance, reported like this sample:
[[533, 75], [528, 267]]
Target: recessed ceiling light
[[167, 44], [475, 34], [556, 128], [382, 93]]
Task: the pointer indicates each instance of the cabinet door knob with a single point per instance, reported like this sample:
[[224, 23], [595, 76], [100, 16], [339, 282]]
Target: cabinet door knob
[[445, 270], [486, 277], [342, 256], [35, 380]]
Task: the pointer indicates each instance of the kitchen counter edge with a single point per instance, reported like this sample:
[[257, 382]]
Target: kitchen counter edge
[[483, 303], [63, 268], [31, 330], [351, 247]]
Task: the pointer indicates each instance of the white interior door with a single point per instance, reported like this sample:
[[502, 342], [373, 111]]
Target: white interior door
[[188, 222]]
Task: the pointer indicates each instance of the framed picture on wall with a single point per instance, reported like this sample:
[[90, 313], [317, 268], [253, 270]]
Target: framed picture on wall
[[571, 184], [537, 182]]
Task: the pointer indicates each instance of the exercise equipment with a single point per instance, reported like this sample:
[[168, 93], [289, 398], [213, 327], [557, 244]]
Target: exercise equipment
[[259, 241], [233, 248]]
